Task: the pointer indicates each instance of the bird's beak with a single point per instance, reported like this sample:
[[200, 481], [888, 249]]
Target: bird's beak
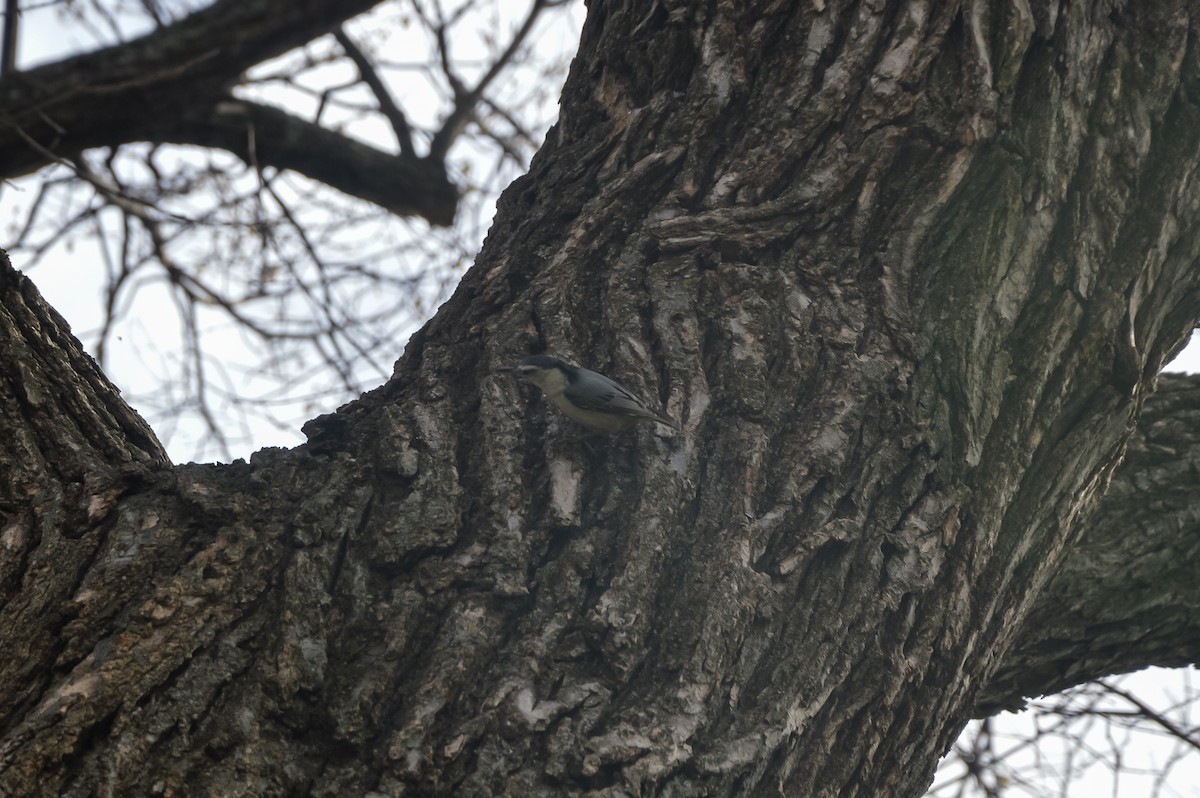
[[504, 370]]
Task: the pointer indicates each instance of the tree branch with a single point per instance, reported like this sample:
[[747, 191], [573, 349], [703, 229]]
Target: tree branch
[[387, 105], [465, 101], [1126, 596], [58, 397], [111, 96], [264, 136]]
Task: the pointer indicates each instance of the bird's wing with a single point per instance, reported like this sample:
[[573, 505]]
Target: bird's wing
[[592, 391]]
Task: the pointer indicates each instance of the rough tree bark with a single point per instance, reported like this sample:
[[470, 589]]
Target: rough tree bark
[[906, 272]]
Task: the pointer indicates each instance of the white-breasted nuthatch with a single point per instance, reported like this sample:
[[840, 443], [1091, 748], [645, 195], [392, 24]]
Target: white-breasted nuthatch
[[592, 399]]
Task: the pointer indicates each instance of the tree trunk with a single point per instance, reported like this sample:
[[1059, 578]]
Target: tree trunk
[[906, 273]]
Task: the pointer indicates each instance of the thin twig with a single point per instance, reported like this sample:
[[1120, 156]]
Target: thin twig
[[1152, 715], [465, 101], [387, 105]]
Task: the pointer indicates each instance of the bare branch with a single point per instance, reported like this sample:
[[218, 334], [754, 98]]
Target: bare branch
[[387, 105], [1147, 712], [465, 101], [265, 136], [123, 93]]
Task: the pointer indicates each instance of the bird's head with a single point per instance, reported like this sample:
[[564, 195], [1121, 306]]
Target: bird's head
[[548, 373]]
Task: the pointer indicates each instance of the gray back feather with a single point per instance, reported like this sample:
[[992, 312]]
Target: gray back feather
[[593, 391]]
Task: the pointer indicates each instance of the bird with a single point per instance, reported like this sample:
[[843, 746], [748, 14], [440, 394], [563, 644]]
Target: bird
[[586, 396]]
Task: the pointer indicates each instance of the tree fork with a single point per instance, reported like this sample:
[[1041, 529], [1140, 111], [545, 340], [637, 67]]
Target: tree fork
[[906, 274]]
